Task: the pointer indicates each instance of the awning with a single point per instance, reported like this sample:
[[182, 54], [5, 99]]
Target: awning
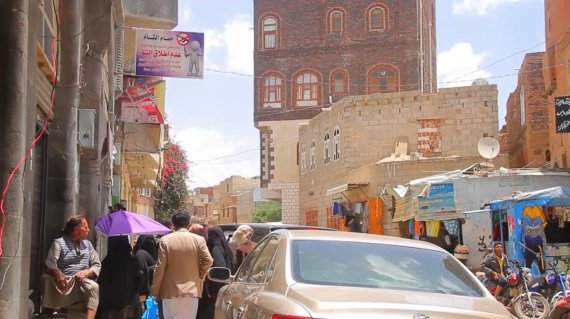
[[344, 187]]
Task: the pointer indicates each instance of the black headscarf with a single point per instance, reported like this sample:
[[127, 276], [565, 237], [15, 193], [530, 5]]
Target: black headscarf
[[216, 238]]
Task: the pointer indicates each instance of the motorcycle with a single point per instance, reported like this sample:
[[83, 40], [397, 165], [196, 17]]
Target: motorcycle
[[561, 309], [516, 295]]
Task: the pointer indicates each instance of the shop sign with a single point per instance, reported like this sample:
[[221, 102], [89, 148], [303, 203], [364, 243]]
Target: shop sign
[[562, 109], [143, 100], [439, 203], [178, 54]]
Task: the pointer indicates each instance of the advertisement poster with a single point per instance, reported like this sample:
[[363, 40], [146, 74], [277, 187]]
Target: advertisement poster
[[439, 203], [143, 100], [176, 54]]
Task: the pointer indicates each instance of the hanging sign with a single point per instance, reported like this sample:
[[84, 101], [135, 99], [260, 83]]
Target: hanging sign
[[439, 203], [177, 54], [562, 114]]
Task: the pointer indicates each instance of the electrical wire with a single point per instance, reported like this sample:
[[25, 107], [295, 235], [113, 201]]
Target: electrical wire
[[55, 63]]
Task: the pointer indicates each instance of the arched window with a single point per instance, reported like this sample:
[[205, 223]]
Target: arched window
[[270, 33], [376, 19], [326, 148], [313, 155], [382, 79], [338, 82], [303, 159], [272, 90], [336, 21], [336, 144], [307, 89]]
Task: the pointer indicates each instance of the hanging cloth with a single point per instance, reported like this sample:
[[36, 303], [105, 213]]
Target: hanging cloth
[[432, 228]]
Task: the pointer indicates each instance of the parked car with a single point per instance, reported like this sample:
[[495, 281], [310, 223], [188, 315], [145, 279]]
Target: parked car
[[321, 274], [262, 229]]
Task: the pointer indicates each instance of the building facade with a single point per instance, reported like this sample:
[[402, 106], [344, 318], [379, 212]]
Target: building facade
[[557, 73], [310, 54], [226, 198], [527, 116], [60, 88], [368, 141]]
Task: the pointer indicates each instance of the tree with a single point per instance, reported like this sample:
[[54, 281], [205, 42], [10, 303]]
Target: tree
[[172, 190], [267, 212]]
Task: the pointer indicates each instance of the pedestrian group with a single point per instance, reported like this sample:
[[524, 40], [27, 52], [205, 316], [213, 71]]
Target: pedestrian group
[[171, 269]]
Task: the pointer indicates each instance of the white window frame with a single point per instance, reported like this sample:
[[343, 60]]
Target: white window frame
[[313, 155], [303, 159], [336, 144], [270, 30]]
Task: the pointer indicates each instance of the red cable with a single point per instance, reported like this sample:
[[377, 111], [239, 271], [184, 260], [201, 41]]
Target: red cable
[[40, 134]]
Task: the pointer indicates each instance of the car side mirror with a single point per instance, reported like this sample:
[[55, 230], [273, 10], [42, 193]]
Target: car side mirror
[[220, 274]]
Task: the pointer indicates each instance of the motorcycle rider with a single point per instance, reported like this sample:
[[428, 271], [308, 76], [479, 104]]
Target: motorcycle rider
[[494, 265]]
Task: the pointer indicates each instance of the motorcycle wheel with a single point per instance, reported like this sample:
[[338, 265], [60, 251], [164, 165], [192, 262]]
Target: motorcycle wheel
[[537, 307]]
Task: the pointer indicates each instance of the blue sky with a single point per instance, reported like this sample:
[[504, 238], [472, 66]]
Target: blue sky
[[213, 117]]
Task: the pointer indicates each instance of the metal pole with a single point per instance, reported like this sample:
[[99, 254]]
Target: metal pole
[[63, 159]]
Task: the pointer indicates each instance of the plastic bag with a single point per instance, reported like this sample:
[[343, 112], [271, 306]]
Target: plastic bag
[[151, 311]]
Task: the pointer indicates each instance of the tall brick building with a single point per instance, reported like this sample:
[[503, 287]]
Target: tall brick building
[[557, 73], [309, 54], [527, 116]]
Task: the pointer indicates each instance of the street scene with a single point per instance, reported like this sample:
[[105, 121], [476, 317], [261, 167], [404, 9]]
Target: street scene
[[285, 159]]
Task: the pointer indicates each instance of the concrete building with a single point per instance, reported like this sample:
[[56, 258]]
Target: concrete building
[[527, 114], [60, 83], [310, 54], [556, 75], [226, 197], [200, 203], [365, 142]]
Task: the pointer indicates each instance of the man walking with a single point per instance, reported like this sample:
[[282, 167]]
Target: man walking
[[183, 261]]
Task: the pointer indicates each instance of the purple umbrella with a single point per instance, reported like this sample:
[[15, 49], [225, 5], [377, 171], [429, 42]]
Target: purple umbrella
[[127, 223]]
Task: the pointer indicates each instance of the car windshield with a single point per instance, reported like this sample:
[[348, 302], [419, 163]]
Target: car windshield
[[358, 264]]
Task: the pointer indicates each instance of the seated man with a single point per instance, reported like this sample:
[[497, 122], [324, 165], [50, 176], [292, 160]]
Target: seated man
[[72, 263], [495, 266]]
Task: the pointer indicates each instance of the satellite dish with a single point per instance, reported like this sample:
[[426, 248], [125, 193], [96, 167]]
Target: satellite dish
[[488, 147]]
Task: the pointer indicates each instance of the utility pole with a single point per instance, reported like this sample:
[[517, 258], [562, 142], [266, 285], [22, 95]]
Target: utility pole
[[14, 53], [62, 181]]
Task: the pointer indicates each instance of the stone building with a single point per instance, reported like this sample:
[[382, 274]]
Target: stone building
[[556, 70], [309, 54], [527, 114], [226, 197], [365, 142]]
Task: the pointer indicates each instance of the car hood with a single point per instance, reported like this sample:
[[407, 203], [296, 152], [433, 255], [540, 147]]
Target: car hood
[[331, 302]]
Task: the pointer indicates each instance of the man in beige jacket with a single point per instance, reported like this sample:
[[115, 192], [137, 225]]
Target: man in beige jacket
[[183, 261]]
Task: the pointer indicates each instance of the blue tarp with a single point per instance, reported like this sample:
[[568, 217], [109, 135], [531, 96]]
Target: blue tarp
[[555, 196]]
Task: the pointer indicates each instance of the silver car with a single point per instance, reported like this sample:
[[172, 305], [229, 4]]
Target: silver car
[[297, 274]]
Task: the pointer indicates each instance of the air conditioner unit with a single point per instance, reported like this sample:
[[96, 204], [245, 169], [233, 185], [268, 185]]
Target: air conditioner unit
[[86, 127]]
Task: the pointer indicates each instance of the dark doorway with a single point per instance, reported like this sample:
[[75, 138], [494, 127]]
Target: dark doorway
[[39, 165]]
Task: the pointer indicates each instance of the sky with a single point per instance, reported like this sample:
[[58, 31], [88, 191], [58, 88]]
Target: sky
[[212, 118]]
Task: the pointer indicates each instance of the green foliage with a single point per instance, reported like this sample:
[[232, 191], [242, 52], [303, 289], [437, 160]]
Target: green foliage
[[172, 190], [267, 212]]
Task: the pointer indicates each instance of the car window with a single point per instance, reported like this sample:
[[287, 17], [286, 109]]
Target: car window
[[245, 267], [260, 270], [374, 265]]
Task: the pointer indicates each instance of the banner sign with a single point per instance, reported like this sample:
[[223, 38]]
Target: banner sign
[[439, 203], [562, 109], [143, 100], [176, 54]]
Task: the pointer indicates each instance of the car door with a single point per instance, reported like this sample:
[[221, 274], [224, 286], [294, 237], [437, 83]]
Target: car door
[[253, 280]]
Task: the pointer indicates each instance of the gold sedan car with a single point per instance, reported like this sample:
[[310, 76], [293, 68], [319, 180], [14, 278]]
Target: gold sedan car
[[298, 274]]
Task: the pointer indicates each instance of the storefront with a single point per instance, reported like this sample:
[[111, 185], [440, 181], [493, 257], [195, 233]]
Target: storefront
[[534, 227]]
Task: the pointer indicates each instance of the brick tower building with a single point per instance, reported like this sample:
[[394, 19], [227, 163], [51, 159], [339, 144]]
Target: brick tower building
[[309, 54]]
